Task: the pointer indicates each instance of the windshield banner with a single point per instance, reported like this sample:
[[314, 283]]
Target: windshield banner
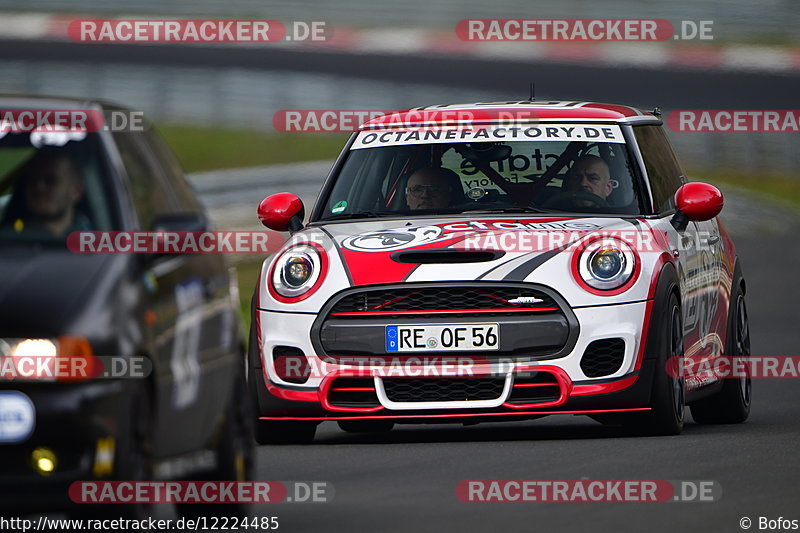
[[609, 133]]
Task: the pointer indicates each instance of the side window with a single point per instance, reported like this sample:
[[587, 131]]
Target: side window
[[184, 193], [150, 197], [662, 166]]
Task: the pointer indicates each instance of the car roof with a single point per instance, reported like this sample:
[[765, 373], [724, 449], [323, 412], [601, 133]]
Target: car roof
[[514, 112], [26, 101]]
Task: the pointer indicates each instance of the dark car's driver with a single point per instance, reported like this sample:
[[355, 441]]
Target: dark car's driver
[[51, 188]]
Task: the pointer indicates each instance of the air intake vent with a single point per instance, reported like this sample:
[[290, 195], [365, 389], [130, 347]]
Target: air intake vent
[[431, 257], [603, 357]]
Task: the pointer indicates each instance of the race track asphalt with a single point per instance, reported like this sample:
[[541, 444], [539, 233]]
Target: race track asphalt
[[405, 481]]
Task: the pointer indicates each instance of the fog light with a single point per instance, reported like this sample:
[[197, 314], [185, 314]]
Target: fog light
[[44, 460]]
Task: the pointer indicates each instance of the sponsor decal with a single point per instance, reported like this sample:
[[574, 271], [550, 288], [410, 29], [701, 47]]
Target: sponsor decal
[[394, 239]]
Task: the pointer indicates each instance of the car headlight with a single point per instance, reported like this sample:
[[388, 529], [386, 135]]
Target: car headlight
[[33, 348], [66, 358], [606, 264], [298, 271]]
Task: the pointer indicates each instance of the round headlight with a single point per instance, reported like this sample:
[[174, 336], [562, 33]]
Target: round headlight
[[606, 264], [296, 271]]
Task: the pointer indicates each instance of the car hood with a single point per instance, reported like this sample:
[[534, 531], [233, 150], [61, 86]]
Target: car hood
[[378, 251], [391, 251], [43, 291]]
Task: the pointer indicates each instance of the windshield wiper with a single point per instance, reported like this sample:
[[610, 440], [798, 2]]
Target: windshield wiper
[[510, 209], [360, 214]]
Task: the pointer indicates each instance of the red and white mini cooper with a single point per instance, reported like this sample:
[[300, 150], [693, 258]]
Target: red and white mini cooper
[[493, 262]]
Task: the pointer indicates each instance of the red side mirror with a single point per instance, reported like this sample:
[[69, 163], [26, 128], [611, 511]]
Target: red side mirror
[[699, 201], [282, 211]]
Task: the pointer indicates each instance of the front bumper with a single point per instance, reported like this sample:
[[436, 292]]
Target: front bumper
[[70, 420], [628, 388]]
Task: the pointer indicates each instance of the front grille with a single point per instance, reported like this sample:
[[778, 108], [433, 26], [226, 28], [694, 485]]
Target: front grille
[[497, 299], [538, 387], [443, 389], [533, 321], [603, 357]]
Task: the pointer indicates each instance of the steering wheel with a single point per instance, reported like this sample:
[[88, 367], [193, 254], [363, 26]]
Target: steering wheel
[[571, 200]]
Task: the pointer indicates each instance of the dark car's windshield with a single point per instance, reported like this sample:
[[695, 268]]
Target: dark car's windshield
[[570, 168], [50, 185]]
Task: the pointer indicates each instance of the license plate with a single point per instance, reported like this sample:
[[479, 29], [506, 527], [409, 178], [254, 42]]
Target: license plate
[[17, 417], [442, 337]]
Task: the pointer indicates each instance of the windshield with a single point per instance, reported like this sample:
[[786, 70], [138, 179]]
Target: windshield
[[50, 185], [550, 169]]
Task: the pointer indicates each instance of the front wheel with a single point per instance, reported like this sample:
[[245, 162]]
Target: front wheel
[[732, 404], [235, 452], [667, 402]]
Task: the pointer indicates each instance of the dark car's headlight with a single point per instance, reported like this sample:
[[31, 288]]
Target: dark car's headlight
[[66, 358], [605, 264], [298, 270]]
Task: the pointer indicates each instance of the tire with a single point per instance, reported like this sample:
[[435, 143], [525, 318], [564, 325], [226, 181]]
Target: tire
[[667, 400], [366, 426], [285, 432], [133, 460], [731, 405], [235, 456]]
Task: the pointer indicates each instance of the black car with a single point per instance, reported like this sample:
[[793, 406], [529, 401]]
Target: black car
[[189, 417]]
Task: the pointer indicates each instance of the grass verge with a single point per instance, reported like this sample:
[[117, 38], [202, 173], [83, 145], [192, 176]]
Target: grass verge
[[780, 186], [201, 148]]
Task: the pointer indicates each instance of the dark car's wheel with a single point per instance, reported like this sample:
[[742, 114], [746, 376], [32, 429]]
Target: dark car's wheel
[[366, 426], [235, 456], [133, 458], [285, 432], [667, 401], [732, 404]]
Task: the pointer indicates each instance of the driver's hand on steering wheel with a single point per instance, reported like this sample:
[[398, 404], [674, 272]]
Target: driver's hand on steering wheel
[[577, 199]]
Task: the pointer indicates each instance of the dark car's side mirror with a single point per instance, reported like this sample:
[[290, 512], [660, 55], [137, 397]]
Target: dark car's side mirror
[[697, 202], [282, 211], [174, 222], [180, 222]]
